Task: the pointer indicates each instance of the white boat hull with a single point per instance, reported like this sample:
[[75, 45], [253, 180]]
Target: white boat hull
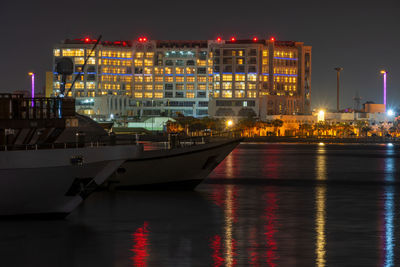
[[52, 182], [175, 168]]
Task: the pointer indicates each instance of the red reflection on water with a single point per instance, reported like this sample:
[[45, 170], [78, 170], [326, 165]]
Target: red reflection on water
[[216, 246], [270, 228], [272, 163], [254, 259], [140, 246]]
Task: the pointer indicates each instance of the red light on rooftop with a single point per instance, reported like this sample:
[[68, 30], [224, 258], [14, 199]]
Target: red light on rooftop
[[233, 39], [87, 40], [255, 39], [144, 39], [272, 39], [140, 39], [219, 39]]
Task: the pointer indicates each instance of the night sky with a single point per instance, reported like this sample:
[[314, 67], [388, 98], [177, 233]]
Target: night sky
[[360, 36]]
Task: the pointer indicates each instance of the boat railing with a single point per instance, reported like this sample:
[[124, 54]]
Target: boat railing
[[15, 147], [174, 140]]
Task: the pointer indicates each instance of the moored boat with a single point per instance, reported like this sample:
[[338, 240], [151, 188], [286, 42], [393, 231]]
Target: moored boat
[[52, 182], [177, 168]]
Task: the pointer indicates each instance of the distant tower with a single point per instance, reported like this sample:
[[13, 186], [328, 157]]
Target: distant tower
[[384, 73], [338, 70], [357, 101]]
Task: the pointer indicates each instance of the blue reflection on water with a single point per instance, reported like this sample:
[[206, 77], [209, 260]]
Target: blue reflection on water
[[389, 207]]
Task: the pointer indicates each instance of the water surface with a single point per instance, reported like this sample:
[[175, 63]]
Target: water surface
[[265, 205]]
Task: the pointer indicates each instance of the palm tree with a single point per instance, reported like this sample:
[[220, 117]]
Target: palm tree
[[276, 123]]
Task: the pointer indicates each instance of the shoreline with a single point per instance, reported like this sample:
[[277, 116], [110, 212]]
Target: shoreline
[[314, 140]]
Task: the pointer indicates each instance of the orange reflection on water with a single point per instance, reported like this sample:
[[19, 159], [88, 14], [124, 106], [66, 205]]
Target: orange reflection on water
[[140, 246], [320, 199], [230, 218]]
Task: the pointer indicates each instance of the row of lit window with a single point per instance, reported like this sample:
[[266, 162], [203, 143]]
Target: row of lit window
[[284, 53], [115, 62], [79, 52], [148, 95], [170, 79], [286, 87], [285, 70], [177, 87], [77, 85], [117, 70], [285, 79], [238, 94], [238, 77], [113, 53], [141, 62], [110, 86], [238, 85], [113, 78], [144, 55], [81, 61]]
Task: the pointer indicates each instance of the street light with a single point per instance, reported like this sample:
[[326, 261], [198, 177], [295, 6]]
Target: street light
[[321, 115], [229, 123], [33, 85], [384, 73], [338, 70]]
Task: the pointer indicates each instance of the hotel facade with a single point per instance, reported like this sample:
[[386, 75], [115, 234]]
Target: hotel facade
[[216, 78]]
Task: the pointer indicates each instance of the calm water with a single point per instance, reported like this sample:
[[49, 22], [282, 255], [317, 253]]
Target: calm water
[[265, 205]]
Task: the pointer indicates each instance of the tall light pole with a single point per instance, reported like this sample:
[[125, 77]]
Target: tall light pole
[[384, 73], [338, 70], [33, 85]]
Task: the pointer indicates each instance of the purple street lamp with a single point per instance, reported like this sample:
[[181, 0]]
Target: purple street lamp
[[33, 85], [384, 72]]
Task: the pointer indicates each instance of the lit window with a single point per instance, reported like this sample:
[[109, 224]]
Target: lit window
[[190, 95], [265, 78], [148, 79], [138, 95], [240, 77], [240, 53], [226, 85], [179, 79], [159, 78], [73, 52], [158, 87], [240, 85], [57, 52], [79, 60], [148, 95], [158, 70], [201, 63], [190, 79], [252, 77], [201, 79], [91, 61], [138, 78], [190, 86], [239, 94], [179, 86], [148, 70], [169, 79], [148, 87], [168, 70], [226, 93], [190, 70], [139, 55], [201, 87], [217, 85], [239, 61], [179, 71], [149, 54], [251, 94], [227, 77], [265, 53], [158, 95], [216, 93], [138, 87], [252, 86], [148, 62], [138, 63]]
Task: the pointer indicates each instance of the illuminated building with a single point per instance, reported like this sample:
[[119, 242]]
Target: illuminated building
[[258, 77], [217, 78], [104, 86], [171, 77]]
